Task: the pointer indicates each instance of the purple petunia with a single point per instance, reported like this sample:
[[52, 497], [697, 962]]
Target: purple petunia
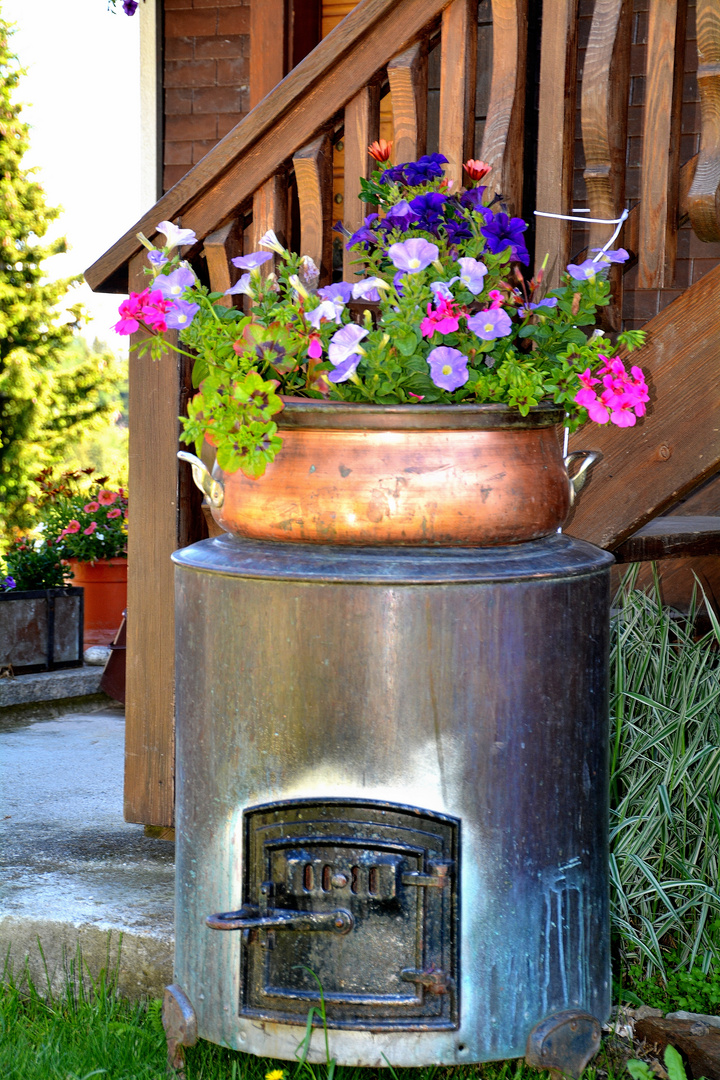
[[344, 342], [157, 258], [448, 367], [241, 286], [413, 173], [490, 324], [472, 273], [326, 310], [368, 289], [502, 231], [527, 309], [181, 314], [429, 209], [339, 290], [8, 582], [345, 369], [472, 200], [619, 256], [400, 216], [173, 285], [364, 234], [586, 270], [130, 6], [413, 255], [441, 289], [252, 261]]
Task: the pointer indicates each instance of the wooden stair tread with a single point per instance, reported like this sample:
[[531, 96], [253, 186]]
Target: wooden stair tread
[[671, 537]]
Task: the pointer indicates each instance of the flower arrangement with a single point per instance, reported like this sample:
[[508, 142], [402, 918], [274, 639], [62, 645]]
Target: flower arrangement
[[444, 314], [33, 563], [89, 527]]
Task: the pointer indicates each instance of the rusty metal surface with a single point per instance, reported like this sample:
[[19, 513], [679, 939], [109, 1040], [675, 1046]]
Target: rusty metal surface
[[475, 691], [412, 475], [41, 629], [564, 1043], [180, 1025]]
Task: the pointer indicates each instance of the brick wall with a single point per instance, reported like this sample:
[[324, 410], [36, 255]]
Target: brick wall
[[205, 78]]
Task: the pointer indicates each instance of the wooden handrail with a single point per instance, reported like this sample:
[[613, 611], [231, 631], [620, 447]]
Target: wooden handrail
[[288, 118]]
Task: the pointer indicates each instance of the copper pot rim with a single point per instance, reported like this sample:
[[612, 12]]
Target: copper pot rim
[[351, 415]]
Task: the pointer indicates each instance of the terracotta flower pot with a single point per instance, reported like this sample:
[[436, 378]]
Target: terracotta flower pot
[[423, 475], [105, 585]]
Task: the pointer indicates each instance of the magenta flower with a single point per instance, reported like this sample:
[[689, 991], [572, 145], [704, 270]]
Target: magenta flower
[[445, 319], [413, 255], [181, 314], [344, 342], [448, 367], [491, 323], [252, 261], [129, 311], [472, 273], [173, 285]]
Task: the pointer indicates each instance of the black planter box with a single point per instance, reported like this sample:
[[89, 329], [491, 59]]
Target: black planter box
[[41, 629]]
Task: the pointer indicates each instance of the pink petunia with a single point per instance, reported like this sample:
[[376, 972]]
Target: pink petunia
[[71, 527], [114, 513], [90, 529], [106, 498], [91, 507]]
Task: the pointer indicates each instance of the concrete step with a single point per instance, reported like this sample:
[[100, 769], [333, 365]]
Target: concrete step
[[76, 878]]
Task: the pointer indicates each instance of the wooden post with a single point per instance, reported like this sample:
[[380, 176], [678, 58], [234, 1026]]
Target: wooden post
[[502, 145], [458, 68], [408, 77], [362, 125], [313, 173], [704, 197]]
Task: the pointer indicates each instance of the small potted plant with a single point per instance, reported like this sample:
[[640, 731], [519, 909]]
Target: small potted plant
[[41, 617], [89, 529]]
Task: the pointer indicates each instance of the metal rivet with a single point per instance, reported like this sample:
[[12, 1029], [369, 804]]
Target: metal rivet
[[338, 197], [340, 145]]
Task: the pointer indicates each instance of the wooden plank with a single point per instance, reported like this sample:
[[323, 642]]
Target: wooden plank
[[408, 77], [657, 244], [502, 144], [269, 51], [646, 469], [219, 248], [152, 537], [556, 135], [671, 538], [313, 173], [270, 211], [458, 71], [362, 127], [704, 197], [288, 118]]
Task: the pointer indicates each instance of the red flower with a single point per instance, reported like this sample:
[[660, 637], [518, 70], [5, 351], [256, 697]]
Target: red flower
[[71, 527], [476, 169], [106, 498], [90, 529], [114, 513], [91, 507], [380, 150]]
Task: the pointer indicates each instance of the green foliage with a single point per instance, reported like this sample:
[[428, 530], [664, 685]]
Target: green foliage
[[85, 524], [49, 389], [665, 791], [695, 990], [639, 1070], [32, 564]]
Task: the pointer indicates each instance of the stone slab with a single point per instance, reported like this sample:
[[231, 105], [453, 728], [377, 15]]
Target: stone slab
[[50, 685]]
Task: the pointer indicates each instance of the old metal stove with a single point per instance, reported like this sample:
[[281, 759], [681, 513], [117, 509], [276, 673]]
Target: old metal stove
[[392, 782]]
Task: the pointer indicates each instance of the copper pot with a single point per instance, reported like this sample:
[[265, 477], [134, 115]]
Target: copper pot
[[423, 475]]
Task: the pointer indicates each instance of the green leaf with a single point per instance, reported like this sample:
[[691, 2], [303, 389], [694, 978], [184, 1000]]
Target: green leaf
[[639, 1070], [673, 1064]]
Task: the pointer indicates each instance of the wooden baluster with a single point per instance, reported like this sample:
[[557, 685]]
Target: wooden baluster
[[313, 172], [604, 101], [704, 196], [362, 126], [556, 135], [502, 144], [219, 248], [270, 211], [458, 69], [408, 76], [657, 240]]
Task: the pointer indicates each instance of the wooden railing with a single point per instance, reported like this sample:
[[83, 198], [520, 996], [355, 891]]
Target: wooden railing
[[276, 167]]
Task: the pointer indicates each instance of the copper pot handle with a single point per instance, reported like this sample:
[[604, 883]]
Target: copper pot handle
[[586, 458], [204, 479]]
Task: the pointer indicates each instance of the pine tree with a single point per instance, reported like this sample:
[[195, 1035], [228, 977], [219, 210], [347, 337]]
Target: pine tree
[[47, 396]]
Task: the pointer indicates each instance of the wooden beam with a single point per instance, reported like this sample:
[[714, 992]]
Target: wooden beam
[[362, 127], [152, 538], [270, 211], [671, 537], [313, 173], [269, 47], [657, 246], [408, 77], [458, 71], [646, 469], [288, 118], [219, 248], [502, 144], [704, 197], [556, 135]]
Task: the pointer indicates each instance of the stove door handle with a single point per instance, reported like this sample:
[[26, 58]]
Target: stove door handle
[[339, 921]]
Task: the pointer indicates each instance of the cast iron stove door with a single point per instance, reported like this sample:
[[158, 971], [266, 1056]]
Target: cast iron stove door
[[380, 884]]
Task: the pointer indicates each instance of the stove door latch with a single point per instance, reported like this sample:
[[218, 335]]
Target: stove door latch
[[434, 980], [250, 917], [437, 878]]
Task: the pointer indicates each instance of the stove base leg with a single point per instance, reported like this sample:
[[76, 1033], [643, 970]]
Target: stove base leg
[[564, 1042], [180, 1023]]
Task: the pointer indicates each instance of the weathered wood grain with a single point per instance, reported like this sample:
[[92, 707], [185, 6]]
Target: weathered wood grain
[[556, 135], [657, 245], [408, 78], [268, 55], [646, 469], [152, 537], [502, 144], [270, 211], [219, 248], [458, 72], [362, 127], [289, 117], [313, 173], [671, 537], [704, 196]]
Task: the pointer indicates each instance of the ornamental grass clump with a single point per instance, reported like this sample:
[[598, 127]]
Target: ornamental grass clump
[[444, 312], [665, 788]]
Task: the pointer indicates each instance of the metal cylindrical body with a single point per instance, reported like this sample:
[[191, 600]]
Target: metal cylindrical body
[[451, 701]]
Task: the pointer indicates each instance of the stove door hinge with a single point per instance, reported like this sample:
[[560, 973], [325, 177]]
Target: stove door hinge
[[434, 981], [437, 878]]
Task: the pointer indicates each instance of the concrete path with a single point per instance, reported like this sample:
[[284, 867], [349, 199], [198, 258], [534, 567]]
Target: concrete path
[[73, 874]]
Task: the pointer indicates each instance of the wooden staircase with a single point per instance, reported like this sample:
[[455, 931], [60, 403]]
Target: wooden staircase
[[275, 169]]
